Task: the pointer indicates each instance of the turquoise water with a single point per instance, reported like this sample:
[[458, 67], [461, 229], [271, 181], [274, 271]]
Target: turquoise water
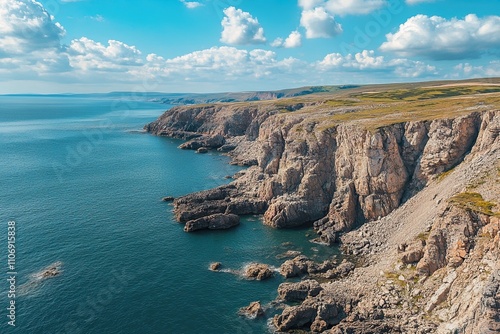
[[84, 188]]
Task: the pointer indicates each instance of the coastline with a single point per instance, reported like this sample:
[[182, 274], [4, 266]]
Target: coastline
[[325, 160]]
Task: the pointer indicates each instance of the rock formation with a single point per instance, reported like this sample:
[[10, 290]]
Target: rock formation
[[212, 222], [409, 183], [258, 271]]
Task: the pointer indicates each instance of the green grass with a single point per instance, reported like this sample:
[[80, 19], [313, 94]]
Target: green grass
[[423, 236], [427, 93], [443, 175], [474, 202]]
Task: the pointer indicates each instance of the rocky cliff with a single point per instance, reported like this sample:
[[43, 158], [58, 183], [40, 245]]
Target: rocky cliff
[[377, 162], [309, 169]]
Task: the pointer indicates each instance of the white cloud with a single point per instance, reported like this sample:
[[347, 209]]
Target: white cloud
[[367, 61], [353, 7], [319, 24], [344, 7], [30, 41], [310, 4], [86, 54], [26, 26], [441, 39], [492, 69], [241, 28], [277, 43], [294, 40], [192, 4]]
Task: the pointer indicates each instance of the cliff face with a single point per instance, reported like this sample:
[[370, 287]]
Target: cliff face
[[335, 176], [418, 189]]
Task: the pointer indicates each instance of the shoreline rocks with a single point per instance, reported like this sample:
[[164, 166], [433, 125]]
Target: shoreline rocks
[[258, 271], [213, 222], [252, 311], [295, 292]]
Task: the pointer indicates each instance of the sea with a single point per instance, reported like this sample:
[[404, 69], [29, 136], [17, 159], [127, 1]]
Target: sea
[[81, 188]]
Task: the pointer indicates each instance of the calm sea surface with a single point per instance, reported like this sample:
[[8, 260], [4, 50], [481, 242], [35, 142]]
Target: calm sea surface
[[84, 187]]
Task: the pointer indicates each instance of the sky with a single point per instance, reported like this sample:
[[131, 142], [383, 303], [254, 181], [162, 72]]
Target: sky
[[84, 46]]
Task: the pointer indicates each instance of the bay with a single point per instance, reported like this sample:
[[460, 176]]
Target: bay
[[83, 185]]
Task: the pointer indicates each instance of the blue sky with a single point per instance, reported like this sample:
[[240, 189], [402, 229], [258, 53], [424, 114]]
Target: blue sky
[[55, 46]]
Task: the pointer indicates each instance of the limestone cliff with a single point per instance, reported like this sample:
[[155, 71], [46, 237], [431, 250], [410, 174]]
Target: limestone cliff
[[310, 169], [413, 174]]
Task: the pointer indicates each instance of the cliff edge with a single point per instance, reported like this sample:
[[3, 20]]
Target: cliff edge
[[412, 170]]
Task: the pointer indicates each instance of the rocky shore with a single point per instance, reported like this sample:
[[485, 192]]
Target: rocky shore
[[409, 187]]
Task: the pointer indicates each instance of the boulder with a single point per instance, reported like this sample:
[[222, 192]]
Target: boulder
[[258, 271], [295, 267], [413, 253], [317, 313], [212, 222], [343, 270], [168, 199], [215, 266], [293, 292], [252, 311]]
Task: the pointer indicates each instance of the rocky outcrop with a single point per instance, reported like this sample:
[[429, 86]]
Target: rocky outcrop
[[314, 313], [294, 292], [252, 311], [428, 264], [215, 266], [335, 176], [258, 271], [212, 222]]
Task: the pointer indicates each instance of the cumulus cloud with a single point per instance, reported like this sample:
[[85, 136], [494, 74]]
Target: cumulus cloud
[[222, 62], [241, 28], [86, 54], [294, 40], [441, 39], [344, 7], [492, 69], [353, 7], [368, 61], [310, 4], [26, 26], [30, 41], [319, 24], [192, 4]]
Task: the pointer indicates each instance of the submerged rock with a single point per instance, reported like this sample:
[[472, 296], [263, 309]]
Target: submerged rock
[[50, 271], [168, 199]]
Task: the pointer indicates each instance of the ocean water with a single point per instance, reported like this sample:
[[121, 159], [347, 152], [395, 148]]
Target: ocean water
[[83, 186]]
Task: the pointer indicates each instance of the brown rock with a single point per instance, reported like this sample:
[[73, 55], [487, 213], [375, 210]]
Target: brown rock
[[212, 222], [215, 266], [293, 292], [252, 311], [413, 253], [258, 271], [295, 267]]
